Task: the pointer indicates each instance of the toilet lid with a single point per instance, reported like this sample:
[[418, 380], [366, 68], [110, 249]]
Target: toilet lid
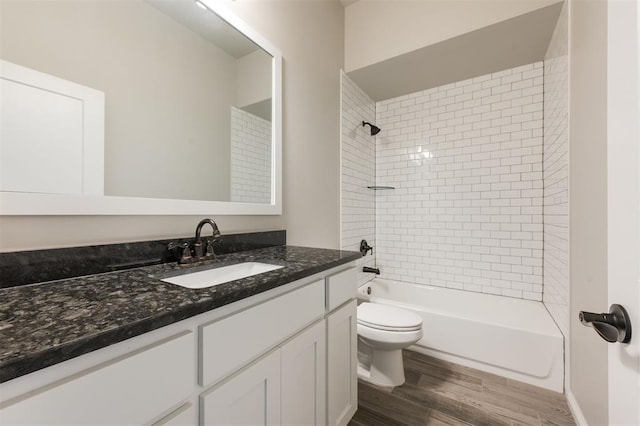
[[385, 317]]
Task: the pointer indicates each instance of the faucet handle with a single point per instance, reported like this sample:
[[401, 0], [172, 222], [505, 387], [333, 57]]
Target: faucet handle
[[185, 257], [209, 251]]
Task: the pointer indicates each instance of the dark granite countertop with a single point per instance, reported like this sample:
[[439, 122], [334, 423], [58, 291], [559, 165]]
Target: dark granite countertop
[[47, 323]]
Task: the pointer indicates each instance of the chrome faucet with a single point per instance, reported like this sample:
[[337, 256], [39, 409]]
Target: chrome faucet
[[194, 254], [197, 246]]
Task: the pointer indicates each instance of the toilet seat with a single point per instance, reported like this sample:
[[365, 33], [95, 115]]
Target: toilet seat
[[387, 318]]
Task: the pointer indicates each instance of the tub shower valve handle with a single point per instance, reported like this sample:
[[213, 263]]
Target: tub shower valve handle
[[365, 247], [614, 326]]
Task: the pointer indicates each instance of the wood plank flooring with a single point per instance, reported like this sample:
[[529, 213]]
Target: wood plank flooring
[[442, 393]]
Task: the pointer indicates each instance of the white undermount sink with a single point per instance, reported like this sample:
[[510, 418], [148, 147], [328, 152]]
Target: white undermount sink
[[221, 275]]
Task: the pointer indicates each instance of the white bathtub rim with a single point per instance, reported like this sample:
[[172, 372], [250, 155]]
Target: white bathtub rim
[[549, 330], [552, 332], [461, 292]]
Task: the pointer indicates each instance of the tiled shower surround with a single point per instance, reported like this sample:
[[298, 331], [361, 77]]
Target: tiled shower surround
[[358, 172], [466, 162], [250, 158], [556, 176]]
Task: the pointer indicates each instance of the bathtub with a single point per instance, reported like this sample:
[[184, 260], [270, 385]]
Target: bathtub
[[509, 337]]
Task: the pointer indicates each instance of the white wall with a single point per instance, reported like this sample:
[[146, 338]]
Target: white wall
[[250, 158], [379, 30], [466, 161], [588, 201], [556, 177], [311, 157], [358, 212]]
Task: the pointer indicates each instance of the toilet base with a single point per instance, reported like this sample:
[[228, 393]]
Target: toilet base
[[386, 368]]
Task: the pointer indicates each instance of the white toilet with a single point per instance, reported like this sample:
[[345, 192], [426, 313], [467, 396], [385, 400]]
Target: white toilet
[[383, 331]]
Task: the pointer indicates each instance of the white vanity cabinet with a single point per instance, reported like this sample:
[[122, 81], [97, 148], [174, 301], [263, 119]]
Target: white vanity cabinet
[[316, 380], [286, 356], [342, 351]]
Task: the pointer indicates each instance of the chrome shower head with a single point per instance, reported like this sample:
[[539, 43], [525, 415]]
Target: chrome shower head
[[374, 129]]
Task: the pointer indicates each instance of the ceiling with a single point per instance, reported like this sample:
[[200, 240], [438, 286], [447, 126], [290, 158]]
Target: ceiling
[[507, 44]]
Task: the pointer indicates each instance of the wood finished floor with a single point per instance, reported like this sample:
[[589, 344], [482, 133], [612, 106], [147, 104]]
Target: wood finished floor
[[437, 392]]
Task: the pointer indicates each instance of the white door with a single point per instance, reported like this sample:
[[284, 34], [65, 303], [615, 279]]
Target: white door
[[623, 160]]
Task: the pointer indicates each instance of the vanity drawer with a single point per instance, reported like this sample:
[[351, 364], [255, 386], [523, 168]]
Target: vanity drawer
[[132, 389], [231, 342], [341, 287]]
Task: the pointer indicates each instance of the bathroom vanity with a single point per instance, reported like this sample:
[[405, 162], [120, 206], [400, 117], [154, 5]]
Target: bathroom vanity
[[274, 348], [126, 347]]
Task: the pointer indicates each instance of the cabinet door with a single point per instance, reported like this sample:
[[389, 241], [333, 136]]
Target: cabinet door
[[303, 361], [252, 397], [342, 380], [129, 390]]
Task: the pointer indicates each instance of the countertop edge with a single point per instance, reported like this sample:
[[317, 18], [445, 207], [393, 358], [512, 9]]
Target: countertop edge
[[30, 363]]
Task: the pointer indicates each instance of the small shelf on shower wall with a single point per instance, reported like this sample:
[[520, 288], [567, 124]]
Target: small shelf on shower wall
[[380, 188]]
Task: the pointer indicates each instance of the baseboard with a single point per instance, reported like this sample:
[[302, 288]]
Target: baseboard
[[575, 409]]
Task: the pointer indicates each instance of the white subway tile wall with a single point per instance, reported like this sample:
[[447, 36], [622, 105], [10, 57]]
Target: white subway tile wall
[[250, 158], [358, 172], [466, 161], [556, 176]]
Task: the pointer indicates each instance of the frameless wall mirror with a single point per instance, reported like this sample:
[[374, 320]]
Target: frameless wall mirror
[[137, 107]]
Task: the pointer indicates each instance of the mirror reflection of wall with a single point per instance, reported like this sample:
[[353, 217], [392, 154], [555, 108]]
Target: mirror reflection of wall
[[169, 86]]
